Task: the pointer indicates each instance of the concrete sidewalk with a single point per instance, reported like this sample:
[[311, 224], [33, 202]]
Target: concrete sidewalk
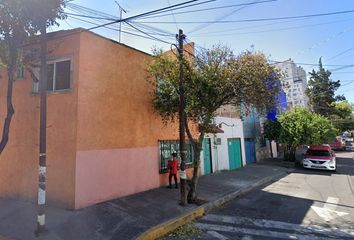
[[144, 215]]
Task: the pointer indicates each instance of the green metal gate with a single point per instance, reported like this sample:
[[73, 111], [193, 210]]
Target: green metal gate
[[235, 157], [207, 156]]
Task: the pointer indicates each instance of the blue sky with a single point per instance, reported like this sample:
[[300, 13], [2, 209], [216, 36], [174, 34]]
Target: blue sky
[[304, 40]]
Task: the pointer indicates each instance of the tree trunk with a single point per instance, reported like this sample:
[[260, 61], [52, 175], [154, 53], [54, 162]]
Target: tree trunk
[[197, 147], [192, 194], [290, 153], [10, 108], [271, 150]]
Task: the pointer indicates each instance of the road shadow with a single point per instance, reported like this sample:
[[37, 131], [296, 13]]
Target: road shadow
[[266, 205]]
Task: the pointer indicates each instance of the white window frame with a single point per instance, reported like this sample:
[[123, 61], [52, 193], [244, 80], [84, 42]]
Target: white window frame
[[55, 70], [36, 70]]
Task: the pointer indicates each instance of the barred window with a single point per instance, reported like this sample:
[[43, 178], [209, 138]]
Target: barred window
[[167, 147]]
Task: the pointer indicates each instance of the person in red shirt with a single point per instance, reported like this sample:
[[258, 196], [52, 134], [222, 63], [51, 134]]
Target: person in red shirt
[[172, 167]]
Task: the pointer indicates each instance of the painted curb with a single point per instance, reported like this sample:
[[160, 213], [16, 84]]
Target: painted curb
[[170, 225]]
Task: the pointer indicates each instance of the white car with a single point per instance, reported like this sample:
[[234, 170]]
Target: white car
[[349, 145], [320, 157]]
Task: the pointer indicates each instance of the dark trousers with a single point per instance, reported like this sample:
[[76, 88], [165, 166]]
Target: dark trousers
[[170, 179]]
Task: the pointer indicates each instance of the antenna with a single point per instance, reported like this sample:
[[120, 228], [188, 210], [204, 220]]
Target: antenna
[[121, 10]]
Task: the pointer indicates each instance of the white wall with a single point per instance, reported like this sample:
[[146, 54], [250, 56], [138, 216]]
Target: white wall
[[274, 149], [232, 128]]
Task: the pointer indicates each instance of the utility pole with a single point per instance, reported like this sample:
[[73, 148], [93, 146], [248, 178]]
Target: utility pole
[[41, 228], [182, 119], [121, 10]]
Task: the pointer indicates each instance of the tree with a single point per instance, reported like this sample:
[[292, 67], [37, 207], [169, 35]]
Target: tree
[[272, 132], [20, 19], [302, 127], [321, 91], [343, 118], [214, 78]]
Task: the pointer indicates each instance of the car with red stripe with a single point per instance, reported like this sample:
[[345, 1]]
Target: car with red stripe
[[320, 157]]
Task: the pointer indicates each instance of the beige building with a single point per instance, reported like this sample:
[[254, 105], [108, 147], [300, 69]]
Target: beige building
[[294, 82]]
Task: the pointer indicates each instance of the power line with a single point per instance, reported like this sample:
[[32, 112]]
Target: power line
[[198, 28], [257, 20], [340, 54], [263, 31], [190, 5], [82, 9], [116, 30], [122, 20], [173, 15], [163, 33], [313, 64], [142, 14], [209, 9], [90, 17], [147, 33]]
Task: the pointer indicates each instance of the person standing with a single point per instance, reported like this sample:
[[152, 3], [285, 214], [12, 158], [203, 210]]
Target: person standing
[[173, 169]]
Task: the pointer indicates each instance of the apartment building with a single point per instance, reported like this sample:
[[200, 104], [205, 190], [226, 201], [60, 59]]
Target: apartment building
[[294, 83]]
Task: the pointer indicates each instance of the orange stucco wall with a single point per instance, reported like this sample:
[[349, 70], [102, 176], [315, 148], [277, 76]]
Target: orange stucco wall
[[19, 161], [116, 117], [102, 135]]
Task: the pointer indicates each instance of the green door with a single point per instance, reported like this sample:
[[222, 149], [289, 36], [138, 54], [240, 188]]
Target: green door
[[234, 147], [207, 156]]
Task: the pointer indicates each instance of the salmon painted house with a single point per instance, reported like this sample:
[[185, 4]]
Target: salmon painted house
[[104, 139]]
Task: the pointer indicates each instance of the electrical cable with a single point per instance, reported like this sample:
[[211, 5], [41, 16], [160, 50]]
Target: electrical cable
[[116, 30], [173, 15], [198, 28], [209, 9], [181, 7], [256, 20], [147, 34], [265, 31], [340, 54]]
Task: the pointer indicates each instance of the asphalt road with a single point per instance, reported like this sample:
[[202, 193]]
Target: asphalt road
[[306, 204]]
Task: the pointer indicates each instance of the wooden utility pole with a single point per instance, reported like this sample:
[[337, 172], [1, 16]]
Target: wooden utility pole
[[41, 227], [182, 117]]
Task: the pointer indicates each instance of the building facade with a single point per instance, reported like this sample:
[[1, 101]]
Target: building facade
[[294, 83], [224, 150], [104, 139]]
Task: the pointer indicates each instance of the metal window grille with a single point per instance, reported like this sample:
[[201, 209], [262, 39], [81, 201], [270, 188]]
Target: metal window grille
[[167, 147]]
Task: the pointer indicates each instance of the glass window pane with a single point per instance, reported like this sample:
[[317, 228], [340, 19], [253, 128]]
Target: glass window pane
[[62, 75]]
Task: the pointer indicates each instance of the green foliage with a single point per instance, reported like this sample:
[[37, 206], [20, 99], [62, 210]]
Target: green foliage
[[302, 127], [321, 91], [343, 109], [214, 78], [343, 119], [20, 19], [272, 130], [165, 82]]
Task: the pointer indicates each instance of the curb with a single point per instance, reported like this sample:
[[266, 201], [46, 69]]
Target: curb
[[170, 225]]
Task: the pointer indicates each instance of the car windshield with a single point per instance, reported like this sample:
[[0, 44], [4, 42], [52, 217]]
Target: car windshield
[[312, 152]]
